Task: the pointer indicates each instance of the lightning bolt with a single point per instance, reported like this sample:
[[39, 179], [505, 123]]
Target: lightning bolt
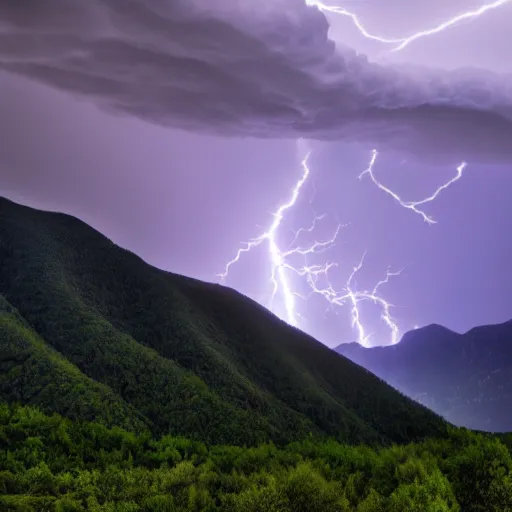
[[279, 277], [403, 42], [411, 205], [282, 270], [280, 259], [354, 297]]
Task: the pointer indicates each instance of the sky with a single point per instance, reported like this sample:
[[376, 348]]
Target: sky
[[173, 127]]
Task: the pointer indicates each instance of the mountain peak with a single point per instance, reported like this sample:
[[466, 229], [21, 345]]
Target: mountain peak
[[428, 333]]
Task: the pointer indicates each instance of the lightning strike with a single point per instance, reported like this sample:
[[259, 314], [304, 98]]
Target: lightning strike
[[277, 258], [354, 297], [411, 205], [403, 42], [340, 10], [282, 270]]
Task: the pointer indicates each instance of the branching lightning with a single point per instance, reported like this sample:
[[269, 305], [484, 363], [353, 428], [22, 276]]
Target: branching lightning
[[411, 205], [279, 276], [282, 270], [403, 42], [354, 297]]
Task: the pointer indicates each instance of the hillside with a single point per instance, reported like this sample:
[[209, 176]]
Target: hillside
[[90, 331], [467, 378]]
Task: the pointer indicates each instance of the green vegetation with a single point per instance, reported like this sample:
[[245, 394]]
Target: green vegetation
[[124, 388], [48, 463], [90, 331]]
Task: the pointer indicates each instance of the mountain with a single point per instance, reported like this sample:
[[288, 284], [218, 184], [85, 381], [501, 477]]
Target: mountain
[[90, 331], [467, 378]]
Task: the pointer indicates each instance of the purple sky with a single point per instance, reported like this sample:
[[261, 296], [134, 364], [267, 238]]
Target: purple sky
[[185, 200]]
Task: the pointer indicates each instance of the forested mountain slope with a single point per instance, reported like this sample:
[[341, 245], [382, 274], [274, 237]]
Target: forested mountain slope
[[91, 331]]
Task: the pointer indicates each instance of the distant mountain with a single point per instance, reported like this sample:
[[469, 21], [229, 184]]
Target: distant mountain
[[91, 331], [467, 378]]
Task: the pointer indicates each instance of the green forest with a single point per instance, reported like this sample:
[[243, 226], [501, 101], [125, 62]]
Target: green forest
[[124, 388], [49, 463]]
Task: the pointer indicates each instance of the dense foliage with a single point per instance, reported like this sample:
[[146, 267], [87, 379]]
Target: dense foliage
[[48, 463], [92, 332]]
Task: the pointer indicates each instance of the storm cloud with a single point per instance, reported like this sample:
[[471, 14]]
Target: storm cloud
[[264, 69]]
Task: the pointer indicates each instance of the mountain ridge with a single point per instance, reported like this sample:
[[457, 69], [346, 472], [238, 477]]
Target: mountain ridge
[[467, 378], [151, 350]]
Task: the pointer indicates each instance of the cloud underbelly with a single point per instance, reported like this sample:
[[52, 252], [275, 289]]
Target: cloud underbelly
[[267, 73]]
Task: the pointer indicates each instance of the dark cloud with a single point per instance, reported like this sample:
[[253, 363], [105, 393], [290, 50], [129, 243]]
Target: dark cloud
[[265, 69]]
